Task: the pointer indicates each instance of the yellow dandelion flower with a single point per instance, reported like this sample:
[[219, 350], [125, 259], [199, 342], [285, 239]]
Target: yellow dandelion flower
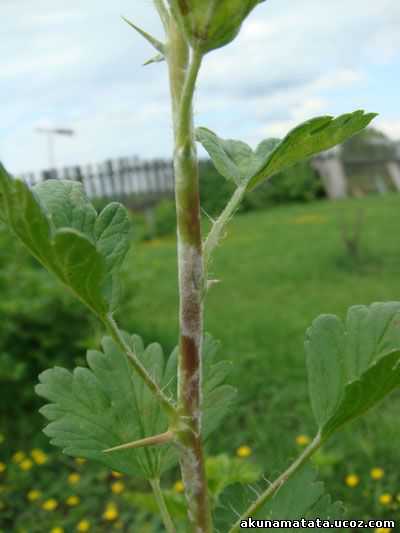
[[33, 495], [352, 480], [57, 529], [179, 486], [2, 467], [117, 487], [72, 501], [18, 457], [244, 451], [50, 505], [117, 475], [383, 529], [377, 473], [39, 456], [385, 499], [111, 513], [303, 440], [80, 461], [83, 525], [36, 451], [74, 478], [26, 464], [2, 438]]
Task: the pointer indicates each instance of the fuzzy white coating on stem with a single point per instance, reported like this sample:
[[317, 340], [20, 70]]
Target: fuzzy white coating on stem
[[190, 267], [183, 72]]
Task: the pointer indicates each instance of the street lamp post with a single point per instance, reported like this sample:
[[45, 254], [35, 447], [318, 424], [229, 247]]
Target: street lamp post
[[51, 132]]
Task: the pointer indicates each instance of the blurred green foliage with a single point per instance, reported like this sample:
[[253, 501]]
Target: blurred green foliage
[[42, 491], [370, 144], [40, 325], [292, 267], [299, 183], [292, 264], [59, 492]]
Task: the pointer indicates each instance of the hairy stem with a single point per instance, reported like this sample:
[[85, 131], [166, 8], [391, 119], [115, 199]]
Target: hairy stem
[[116, 334], [277, 484], [183, 76], [166, 517], [220, 224]]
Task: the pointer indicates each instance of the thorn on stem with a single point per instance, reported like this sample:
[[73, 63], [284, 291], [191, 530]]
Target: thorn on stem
[[267, 480], [158, 45], [156, 59], [253, 489], [155, 440]]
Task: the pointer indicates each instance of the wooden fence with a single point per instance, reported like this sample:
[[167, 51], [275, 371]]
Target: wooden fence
[[142, 184], [137, 183]]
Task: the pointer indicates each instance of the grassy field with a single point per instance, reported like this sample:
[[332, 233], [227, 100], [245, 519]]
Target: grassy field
[[280, 269]]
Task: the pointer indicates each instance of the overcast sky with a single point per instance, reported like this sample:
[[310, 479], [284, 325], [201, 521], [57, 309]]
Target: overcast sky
[[76, 64]]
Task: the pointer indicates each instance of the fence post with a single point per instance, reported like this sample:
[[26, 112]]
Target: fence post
[[89, 180], [121, 165], [100, 177], [78, 175], [49, 175], [333, 175], [393, 168], [111, 175]]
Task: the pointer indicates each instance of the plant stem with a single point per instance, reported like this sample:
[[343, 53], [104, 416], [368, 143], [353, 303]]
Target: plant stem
[[219, 225], [190, 265], [116, 334], [166, 517], [277, 484], [163, 12], [185, 117]]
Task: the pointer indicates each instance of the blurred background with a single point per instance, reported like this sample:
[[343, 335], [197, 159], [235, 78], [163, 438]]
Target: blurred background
[[318, 238]]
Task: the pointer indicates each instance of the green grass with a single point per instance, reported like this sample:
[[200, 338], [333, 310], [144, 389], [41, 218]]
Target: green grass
[[280, 269]]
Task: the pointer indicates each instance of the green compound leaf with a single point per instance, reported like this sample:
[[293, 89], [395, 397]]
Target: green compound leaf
[[224, 471], [111, 233], [302, 496], [105, 405], [236, 161], [308, 139], [80, 267], [218, 398], [108, 404], [66, 205], [60, 227], [231, 158], [352, 366], [20, 210]]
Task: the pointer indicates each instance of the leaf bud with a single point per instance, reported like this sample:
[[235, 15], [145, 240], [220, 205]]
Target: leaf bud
[[211, 24]]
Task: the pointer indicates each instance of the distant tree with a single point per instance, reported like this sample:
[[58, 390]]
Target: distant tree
[[370, 144]]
